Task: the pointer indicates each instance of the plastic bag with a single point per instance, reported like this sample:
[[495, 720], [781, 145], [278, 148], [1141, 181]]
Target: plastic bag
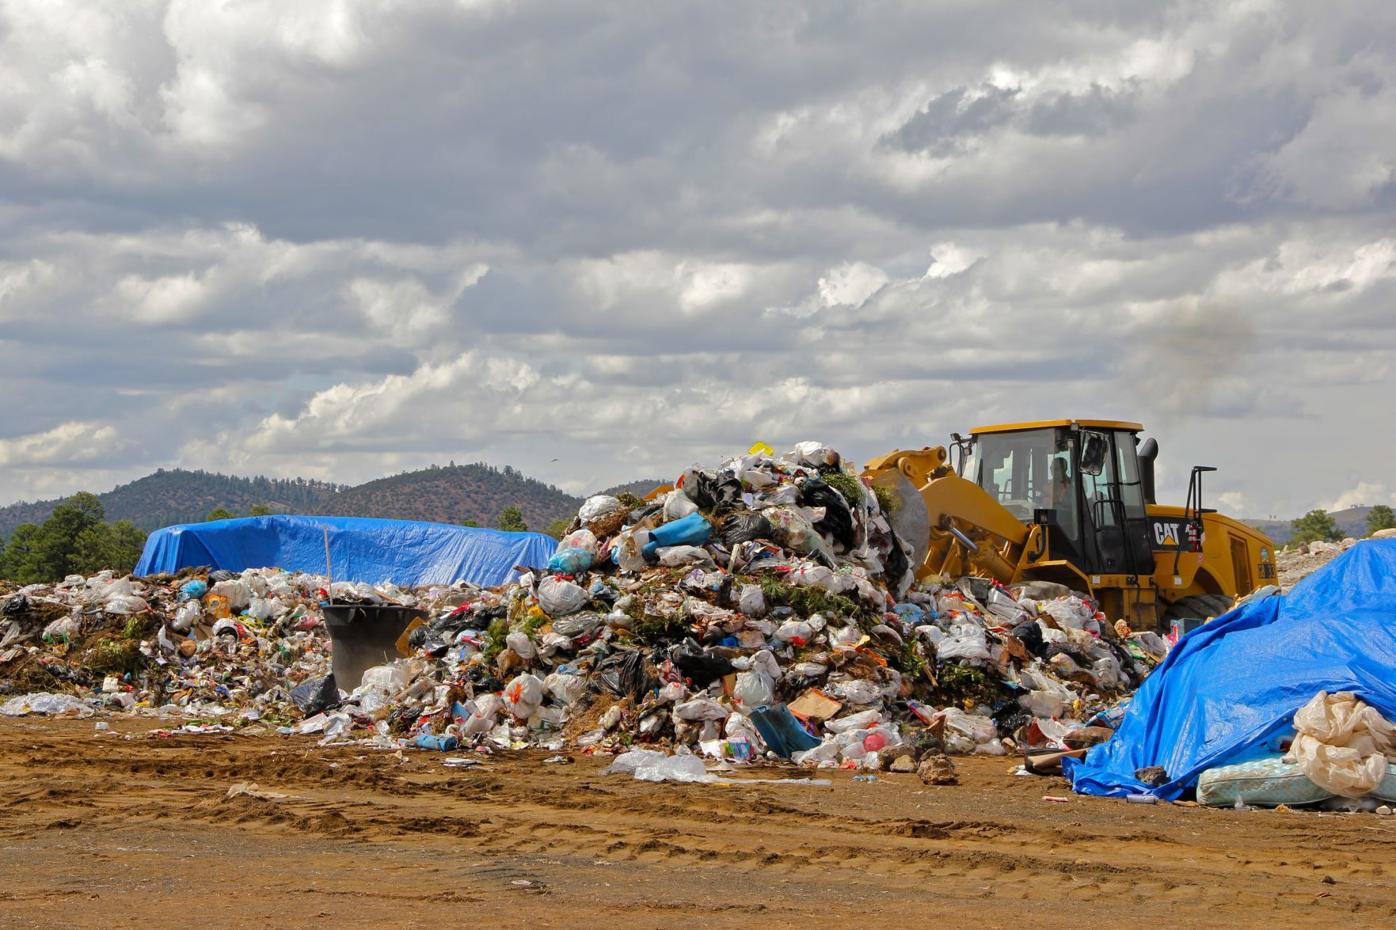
[[315, 695], [966, 641], [64, 628], [965, 732], [677, 505], [744, 527], [629, 553], [524, 694], [559, 597], [42, 702], [701, 709], [236, 592], [1342, 743], [648, 765], [521, 644], [838, 518], [565, 687], [580, 539], [753, 689], [751, 600], [573, 560], [675, 556], [129, 604], [812, 455], [598, 506], [857, 691], [698, 665], [795, 632]]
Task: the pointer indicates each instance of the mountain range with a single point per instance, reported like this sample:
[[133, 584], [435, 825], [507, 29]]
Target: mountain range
[[444, 494]]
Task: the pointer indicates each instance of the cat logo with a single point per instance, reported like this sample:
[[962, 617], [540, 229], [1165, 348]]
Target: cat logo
[[1167, 533]]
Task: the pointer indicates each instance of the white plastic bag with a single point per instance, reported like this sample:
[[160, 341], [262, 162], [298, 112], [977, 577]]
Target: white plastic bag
[[520, 643], [751, 601], [1342, 743], [524, 694], [598, 506], [579, 539], [565, 687], [859, 721], [675, 556], [648, 765], [559, 597], [752, 690], [678, 505], [42, 702]]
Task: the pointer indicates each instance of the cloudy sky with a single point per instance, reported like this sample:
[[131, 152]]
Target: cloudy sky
[[342, 238]]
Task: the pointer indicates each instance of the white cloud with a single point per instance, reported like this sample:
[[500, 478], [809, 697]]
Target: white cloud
[[167, 299], [1365, 494], [73, 441], [343, 237], [851, 285]]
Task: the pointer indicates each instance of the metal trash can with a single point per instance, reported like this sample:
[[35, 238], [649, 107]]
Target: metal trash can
[[364, 635]]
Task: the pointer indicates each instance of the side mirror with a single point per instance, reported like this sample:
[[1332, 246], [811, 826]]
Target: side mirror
[[1093, 452]]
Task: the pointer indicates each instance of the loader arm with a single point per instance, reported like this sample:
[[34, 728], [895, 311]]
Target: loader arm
[[953, 524]]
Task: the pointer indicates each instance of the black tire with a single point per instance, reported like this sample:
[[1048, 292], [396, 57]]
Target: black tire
[[1198, 606]]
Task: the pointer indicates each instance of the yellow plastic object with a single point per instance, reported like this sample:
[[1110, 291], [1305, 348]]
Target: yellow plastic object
[[219, 606], [760, 448]]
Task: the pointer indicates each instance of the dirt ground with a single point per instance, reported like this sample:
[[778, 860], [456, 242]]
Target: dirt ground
[[127, 828]]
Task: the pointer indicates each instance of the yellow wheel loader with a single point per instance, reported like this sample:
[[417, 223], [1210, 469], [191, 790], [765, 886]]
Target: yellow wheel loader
[[1072, 502]]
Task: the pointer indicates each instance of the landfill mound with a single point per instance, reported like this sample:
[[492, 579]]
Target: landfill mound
[[1295, 564], [761, 610]]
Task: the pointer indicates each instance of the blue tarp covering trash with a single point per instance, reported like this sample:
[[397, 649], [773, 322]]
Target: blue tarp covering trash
[[1233, 685], [361, 549]]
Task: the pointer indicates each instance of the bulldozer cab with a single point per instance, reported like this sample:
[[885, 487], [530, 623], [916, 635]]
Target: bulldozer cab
[[1079, 478]]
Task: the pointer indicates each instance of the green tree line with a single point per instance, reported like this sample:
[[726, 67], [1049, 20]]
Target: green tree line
[[75, 539], [1319, 525]]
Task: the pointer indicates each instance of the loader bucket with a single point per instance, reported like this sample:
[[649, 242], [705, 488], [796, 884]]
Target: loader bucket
[[364, 635], [909, 516]]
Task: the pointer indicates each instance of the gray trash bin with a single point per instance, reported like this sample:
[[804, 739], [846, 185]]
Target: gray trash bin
[[364, 635]]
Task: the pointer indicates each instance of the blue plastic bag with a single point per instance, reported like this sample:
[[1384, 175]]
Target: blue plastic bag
[[571, 561]]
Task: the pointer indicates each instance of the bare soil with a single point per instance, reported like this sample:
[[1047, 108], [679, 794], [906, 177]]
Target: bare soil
[[130, 828]]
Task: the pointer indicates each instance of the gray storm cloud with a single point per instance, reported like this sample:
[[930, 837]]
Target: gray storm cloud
[[339, 238]]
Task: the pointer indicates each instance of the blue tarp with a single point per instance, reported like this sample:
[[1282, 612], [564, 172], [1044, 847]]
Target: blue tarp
[[361, 549], [1232, 685]]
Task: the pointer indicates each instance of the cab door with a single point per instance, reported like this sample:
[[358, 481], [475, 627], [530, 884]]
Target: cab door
[[1113, 511]]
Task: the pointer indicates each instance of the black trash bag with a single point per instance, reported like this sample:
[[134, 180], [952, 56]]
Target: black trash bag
[[718, 493], [701, 488], [16, 605], [838, 519], [744, 527], [316, 695], [699, 665], [478, 617], [896, 563], [220, 575], [1029, 633], [485, 683], [626, 674]]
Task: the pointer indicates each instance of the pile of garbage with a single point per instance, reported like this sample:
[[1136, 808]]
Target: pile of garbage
[[198, 644], [764, 609], [1295, 563]]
